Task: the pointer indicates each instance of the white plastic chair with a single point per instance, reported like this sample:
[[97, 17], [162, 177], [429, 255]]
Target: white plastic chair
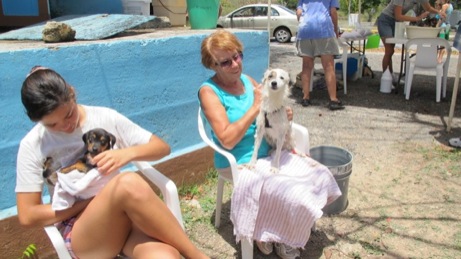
[[166, 186], [342, 59], [426, 59], [301, 139]]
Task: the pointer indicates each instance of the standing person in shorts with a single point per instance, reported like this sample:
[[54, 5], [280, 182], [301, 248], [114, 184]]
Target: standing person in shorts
[[396, 11], [317, 36]]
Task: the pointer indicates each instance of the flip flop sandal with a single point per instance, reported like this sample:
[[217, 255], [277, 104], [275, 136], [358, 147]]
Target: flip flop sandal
[[455, 142]]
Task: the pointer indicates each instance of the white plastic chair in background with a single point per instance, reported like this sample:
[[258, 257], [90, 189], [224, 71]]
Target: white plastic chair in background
[[342, 59], [166, 186], [426, 59], [301, 139]]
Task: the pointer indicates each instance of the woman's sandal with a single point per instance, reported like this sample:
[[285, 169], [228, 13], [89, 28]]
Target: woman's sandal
[[455, 142]]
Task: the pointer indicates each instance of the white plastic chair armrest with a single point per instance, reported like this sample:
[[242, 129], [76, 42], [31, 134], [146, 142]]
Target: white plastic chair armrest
[[301, 138], [166, 186], [58, 242], [209, 142]]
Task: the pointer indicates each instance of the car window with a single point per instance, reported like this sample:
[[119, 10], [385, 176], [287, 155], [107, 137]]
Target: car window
[[287, 9], [246, 12], [274, 12], [260, 11]]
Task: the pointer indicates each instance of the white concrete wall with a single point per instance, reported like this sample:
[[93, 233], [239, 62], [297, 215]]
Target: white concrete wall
[[153, 81]]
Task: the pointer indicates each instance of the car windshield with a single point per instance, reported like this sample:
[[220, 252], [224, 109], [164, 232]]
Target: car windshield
[[287, 9]]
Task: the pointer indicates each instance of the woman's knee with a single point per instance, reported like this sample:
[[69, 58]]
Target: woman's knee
[[389, 50], [131, 185], [155, 250], [307, 64]]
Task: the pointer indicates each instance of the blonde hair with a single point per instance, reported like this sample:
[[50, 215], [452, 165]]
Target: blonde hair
[[222, 40]]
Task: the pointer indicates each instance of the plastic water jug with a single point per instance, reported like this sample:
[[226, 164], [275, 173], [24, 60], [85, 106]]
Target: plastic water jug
[[399, 30], [386, 82]]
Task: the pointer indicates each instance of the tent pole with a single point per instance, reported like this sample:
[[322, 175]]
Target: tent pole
[[269, 30]]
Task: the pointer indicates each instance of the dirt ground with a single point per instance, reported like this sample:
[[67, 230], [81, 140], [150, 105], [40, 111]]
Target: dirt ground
[[405, 184]]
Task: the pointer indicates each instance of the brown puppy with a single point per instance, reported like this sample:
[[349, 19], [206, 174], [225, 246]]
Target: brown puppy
[[96, 141]]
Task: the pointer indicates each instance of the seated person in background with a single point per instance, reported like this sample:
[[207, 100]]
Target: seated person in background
[[126, 216], [281, 213]]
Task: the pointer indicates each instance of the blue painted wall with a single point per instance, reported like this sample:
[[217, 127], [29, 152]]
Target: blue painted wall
[[66, 7], [20, 8], [153, 81]]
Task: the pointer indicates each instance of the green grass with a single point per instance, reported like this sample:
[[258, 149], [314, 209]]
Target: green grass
[[204, 195]]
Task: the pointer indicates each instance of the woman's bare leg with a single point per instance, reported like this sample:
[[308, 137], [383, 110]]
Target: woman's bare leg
[[127, 200], [388, 53], [328, 64], [138, 246], [308, 65]]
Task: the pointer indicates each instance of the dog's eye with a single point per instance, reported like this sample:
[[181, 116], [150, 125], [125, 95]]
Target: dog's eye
[[282, 78]]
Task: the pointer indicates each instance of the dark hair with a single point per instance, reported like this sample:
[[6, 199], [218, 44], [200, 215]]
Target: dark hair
[[43, 91]]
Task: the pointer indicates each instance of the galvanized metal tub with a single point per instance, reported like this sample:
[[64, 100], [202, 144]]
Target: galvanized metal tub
[[339, 161]]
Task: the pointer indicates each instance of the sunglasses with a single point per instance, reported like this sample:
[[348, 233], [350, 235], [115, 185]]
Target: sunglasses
[[228, 63]]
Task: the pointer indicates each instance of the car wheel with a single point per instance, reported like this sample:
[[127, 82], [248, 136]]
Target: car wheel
[[282, 35]]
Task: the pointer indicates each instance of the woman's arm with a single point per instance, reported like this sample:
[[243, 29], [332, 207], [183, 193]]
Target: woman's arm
[[399, 16], [31, 211], [228, 134], [429, 8], [112, 160]]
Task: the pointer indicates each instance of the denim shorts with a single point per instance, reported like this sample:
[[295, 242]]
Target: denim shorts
[[386, 26], [317, 47]]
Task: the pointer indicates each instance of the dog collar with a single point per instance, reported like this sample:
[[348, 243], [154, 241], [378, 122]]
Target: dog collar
[[266, 121]]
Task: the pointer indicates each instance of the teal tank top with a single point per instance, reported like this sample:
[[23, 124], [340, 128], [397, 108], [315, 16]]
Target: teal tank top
[[236, 106]]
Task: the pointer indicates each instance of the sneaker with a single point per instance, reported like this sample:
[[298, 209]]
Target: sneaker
[[336, 105], [455, 142], [265, 247], [286, 251], [305, 102]]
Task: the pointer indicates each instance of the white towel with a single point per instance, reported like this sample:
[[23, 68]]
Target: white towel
[[356, 34], [75, 186], [281, 207]]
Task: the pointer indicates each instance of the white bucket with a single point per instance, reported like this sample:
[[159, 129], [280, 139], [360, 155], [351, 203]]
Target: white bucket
[[386, 82]]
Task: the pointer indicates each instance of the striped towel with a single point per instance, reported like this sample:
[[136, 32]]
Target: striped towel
[[281, 207]]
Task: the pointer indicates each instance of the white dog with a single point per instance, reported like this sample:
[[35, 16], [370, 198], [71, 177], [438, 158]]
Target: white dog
[[272, 122]]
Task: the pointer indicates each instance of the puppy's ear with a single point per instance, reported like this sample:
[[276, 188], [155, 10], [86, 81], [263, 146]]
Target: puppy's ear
[[113, 139], [85, 137]]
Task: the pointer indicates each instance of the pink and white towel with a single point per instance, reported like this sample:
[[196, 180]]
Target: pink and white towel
[[281, 207]]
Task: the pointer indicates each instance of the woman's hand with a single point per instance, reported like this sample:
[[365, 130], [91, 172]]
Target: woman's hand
[[257, 96], [442, 14], [423, 15], [289, 113], [111, 160]]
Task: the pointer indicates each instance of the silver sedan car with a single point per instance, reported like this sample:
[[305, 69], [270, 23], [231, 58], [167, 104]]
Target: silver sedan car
[[283, 21]]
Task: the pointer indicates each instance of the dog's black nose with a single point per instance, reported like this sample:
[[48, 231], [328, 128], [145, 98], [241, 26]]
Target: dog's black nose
[[274, 84]]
